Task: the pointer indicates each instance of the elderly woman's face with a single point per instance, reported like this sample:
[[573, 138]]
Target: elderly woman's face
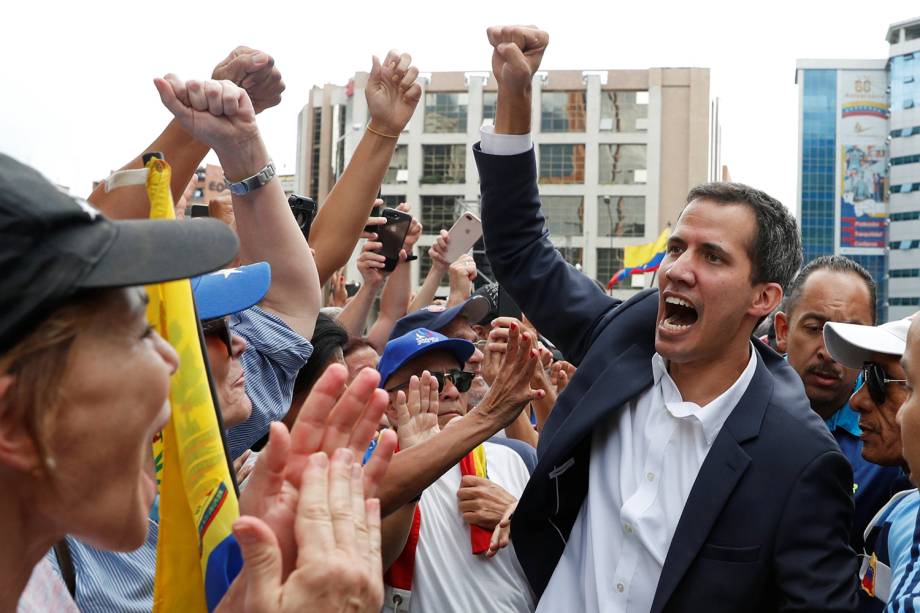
[[114, 399]]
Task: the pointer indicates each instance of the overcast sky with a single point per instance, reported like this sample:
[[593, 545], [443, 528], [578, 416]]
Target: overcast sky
[[78, 98]]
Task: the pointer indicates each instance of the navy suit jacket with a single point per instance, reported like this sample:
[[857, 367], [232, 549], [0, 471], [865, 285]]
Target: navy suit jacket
[[766, 525]]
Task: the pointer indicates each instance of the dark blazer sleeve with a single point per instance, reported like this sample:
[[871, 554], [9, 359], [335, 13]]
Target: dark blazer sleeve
[[562, 302], [816, 570]]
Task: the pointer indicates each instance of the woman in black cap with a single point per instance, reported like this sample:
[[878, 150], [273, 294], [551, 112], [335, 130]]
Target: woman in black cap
[[84, 383]]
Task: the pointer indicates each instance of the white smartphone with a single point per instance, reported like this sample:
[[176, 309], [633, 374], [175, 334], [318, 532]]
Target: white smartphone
[[463, 235]]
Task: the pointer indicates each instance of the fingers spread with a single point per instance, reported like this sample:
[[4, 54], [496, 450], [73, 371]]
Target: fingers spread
[[340, 500]]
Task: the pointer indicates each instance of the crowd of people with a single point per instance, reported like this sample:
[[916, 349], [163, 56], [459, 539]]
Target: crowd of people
[[590, 455]]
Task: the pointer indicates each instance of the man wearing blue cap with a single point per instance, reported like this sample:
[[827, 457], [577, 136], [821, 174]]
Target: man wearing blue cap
[[442, 545]]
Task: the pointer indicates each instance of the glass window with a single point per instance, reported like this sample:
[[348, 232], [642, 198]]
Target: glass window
[[564, 214], [622, 164], [623, 111], [572, 255], [620, 216], [393, 201], [445, 112], [315, 152], [440, 212], [562, 163], [443, 163], [399, 161], [563, 111], [609, 261], [489, 101]]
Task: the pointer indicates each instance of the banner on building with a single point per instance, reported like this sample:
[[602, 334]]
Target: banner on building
[[862, 120]]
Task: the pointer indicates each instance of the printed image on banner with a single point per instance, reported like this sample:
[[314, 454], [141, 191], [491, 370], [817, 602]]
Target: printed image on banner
[[862, 172]]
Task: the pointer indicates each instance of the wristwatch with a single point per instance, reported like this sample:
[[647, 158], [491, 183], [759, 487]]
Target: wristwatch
[[252, 183]]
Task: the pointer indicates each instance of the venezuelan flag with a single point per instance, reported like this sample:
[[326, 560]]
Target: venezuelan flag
[[642, 258], [196, 555], [474, 463]]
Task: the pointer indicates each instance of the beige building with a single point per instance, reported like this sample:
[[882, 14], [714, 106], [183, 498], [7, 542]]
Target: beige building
[[617, 151]]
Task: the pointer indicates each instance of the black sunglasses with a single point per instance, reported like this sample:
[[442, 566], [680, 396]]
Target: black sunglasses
[[875, 377], [220, 328], [462, 380]]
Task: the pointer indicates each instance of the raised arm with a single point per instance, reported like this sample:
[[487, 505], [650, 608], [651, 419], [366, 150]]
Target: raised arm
[[220, 114], [392, 95], [439, 266], [562, 302], [251, 69]]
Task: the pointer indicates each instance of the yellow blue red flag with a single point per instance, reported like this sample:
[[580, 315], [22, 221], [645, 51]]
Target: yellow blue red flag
[[198, 503], [642, 258]]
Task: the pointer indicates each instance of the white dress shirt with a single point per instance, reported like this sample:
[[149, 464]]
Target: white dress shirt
[[644, 461]]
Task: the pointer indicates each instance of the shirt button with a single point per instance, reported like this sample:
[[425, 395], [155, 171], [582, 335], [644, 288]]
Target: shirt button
[[620, 587], [650, 476], [628, 528]]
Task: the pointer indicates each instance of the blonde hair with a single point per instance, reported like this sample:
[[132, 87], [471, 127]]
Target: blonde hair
[[38, 362]]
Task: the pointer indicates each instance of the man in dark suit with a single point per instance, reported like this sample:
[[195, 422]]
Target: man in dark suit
[[682, 469]]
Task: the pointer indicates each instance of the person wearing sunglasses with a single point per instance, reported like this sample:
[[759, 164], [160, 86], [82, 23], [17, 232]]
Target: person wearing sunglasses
[[886, 356]]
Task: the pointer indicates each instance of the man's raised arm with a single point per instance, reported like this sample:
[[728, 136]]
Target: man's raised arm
[[562, 302], [252, 70]]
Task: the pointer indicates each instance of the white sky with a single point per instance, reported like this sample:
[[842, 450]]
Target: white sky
[[78, 98]]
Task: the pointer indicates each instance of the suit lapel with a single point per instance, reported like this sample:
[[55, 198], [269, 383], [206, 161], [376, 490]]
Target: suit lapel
[[724, 466], [620, 381]]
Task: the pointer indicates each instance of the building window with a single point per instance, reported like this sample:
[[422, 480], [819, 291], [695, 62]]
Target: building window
[[609, 261], [623, 111], [489, 103], [562, 164], [621, 216], [622, 164], [443, 164], [440, 212], [399, 161], [392, 201], [199, 194], [564, 215], [563, 111], [572, 255], [906, 273], [445, 112], [315, 152]]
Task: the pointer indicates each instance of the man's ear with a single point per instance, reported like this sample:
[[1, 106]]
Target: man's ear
[[781, 326], [17, 447]]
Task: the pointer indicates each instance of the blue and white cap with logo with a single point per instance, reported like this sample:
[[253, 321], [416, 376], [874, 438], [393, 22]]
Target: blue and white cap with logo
[[231, 290], [417, 342], [435, 317]]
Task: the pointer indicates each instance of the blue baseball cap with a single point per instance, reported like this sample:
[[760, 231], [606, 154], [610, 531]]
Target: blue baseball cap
[[418, 342], [436, 317], [231, 290]]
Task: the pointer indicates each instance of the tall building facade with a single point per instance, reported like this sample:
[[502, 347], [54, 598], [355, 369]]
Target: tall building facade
[[859, 165], [617, 151]]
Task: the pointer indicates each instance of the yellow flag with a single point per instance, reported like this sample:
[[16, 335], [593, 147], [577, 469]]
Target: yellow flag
[[637, 255], [198, 502]]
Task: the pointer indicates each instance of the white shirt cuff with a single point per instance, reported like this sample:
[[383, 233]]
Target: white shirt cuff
[[503, 144]]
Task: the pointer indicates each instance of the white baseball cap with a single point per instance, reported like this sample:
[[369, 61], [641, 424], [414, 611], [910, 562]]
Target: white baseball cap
[[853, 345]]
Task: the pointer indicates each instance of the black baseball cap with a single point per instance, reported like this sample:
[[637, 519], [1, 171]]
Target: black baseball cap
[[53, 245]]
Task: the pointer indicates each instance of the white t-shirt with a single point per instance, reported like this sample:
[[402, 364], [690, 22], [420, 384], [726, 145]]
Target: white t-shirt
[[448, 577]]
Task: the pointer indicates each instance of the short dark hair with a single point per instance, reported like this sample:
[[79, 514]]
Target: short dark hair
[[357, 342], [833, 263], [327, 336], [776, 251]]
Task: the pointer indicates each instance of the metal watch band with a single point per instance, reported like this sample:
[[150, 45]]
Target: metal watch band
[[252, 183]]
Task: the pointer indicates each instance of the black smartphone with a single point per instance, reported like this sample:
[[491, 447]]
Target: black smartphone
[[198, 210], [352, 288], [392, 235], [375, 212], [507, 307], [304, 210]]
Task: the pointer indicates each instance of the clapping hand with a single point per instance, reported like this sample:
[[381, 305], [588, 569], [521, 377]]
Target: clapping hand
[[417, 411]]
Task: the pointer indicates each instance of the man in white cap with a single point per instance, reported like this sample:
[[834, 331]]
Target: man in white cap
[[888, 569]]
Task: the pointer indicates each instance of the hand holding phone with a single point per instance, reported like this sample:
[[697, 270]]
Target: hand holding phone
[[462, 236], [304, 210], [392, 235]]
